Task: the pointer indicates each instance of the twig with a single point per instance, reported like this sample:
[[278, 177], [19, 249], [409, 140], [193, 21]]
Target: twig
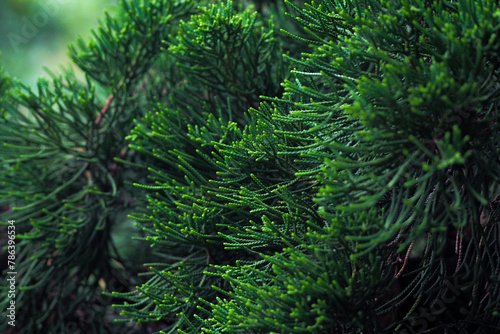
[[406, 259], [104, 110], [458, 248], [485, 297]]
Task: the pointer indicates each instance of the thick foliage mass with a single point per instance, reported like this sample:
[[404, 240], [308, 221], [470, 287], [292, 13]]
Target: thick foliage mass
[[328, 167]]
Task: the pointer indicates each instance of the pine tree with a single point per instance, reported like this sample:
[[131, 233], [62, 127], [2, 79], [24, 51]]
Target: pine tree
[[334, 169]]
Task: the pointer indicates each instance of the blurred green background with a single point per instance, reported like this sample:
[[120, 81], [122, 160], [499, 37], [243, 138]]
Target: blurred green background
[[35, 33]]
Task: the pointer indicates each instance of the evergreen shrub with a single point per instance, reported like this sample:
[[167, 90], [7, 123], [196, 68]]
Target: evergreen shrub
[[326, 167]]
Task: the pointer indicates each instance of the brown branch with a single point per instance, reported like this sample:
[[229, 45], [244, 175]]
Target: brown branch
[[458, 247], [104, 110], [406, 259], [485, 296]]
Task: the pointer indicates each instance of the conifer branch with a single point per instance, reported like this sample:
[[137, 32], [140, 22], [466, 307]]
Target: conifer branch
[[104, 110]]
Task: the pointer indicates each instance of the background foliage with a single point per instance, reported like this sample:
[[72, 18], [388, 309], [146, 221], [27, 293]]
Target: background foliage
[[35, 34]]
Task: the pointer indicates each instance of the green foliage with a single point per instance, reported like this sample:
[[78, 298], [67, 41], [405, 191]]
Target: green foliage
[[205, 115], [227, 52], [343, 181], [60, 179]]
